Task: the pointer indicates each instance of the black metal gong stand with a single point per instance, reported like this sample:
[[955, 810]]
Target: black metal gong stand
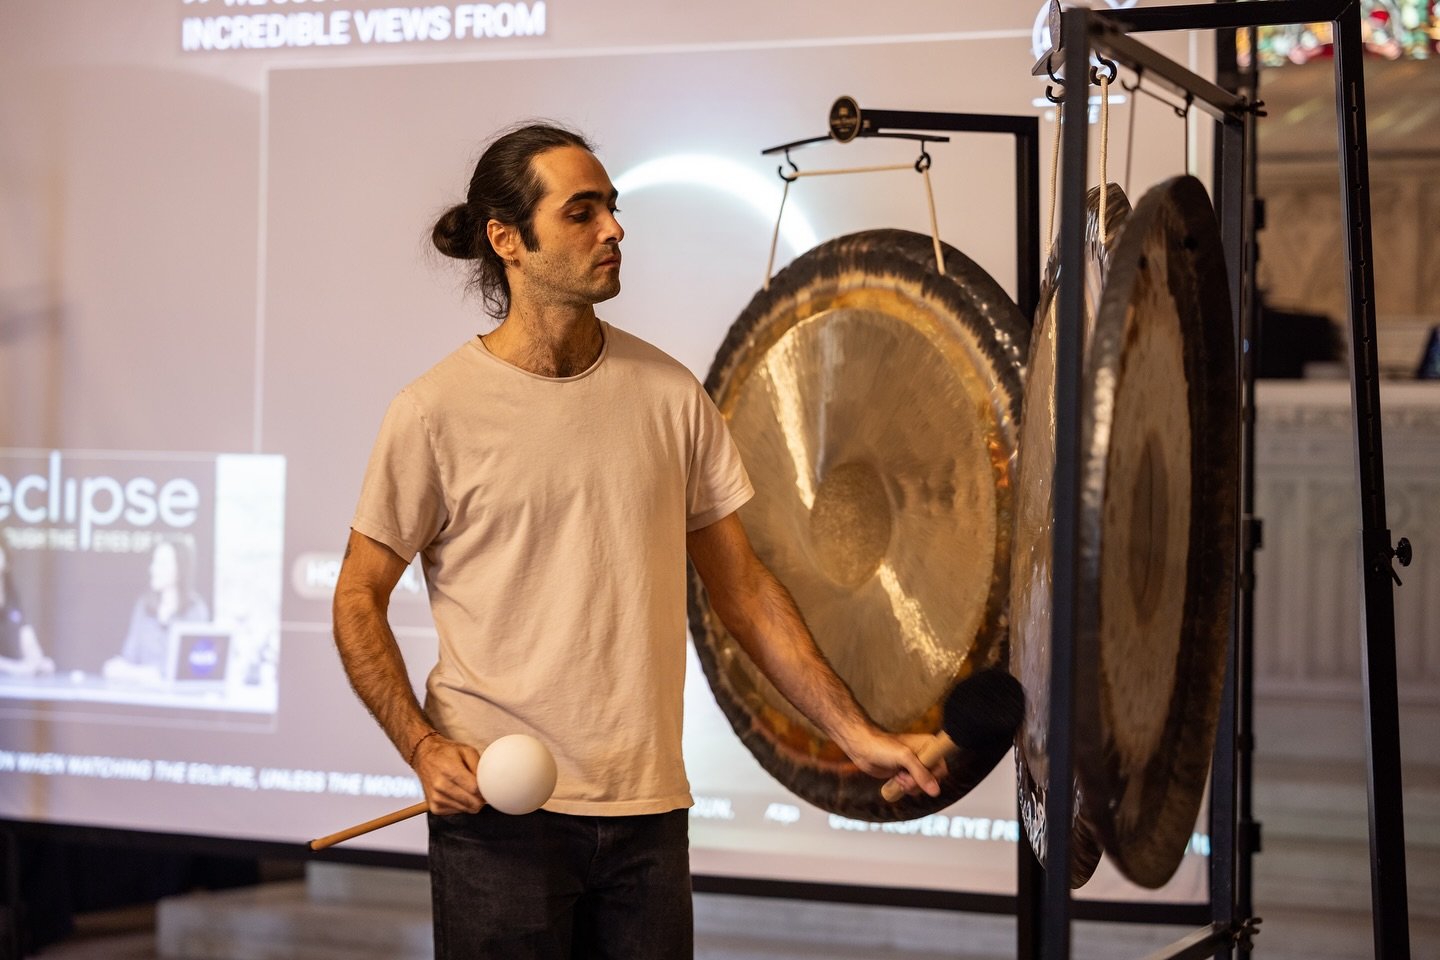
[[1108, 33], [849, 122]]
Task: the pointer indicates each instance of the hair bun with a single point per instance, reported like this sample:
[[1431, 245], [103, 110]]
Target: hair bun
[[454, 233]]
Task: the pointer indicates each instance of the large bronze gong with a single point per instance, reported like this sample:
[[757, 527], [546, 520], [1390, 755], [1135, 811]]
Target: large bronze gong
[[1157, 530], [874, 403], [1030, 553]]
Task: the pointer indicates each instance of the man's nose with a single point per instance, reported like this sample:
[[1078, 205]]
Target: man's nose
[[613, 232]]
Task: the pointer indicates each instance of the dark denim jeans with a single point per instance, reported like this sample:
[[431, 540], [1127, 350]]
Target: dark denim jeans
[[547, 886]]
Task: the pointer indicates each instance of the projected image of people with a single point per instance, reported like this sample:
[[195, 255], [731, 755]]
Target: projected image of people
[[169, 599], [20, 652]]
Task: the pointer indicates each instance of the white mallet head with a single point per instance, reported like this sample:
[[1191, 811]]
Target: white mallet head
[[516, 774]]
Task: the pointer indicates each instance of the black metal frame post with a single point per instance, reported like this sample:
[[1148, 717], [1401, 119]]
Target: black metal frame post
[[1388, 892], [1108, 32], [1225, 762], [10, 944], [1247, 829], [1229, 777], [1074, 116]]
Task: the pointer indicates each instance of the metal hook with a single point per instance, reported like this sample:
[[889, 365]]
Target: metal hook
[[781, 170], [1110, 64], [1050, 90], [922, 163], [1180, 110]]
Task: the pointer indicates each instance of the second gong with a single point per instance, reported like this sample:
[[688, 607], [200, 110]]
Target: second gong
[[1157, 533]]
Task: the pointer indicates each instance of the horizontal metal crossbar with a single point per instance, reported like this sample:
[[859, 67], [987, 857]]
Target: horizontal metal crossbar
[[1223, 16], [1153, 67]]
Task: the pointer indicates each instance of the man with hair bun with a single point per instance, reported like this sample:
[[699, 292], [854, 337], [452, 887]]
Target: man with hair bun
[[554, 474]]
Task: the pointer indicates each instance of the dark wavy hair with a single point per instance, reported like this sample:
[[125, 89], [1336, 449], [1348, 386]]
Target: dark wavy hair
[[184, 550], [504, 187]]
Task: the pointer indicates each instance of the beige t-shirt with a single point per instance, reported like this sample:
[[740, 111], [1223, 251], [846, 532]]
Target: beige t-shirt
[[550, 515]]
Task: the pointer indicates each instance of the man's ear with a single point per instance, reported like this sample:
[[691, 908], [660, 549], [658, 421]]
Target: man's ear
[[505, 238]]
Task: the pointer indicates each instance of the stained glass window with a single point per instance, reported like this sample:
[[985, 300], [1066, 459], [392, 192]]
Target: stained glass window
[[1393, 29]]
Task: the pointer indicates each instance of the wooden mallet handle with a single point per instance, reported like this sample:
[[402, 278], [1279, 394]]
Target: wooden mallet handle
[[350, 833], [930, 754]]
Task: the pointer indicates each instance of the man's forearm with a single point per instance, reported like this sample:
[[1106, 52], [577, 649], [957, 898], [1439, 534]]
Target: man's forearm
[[377, 673], [768, 626], [763, 618]]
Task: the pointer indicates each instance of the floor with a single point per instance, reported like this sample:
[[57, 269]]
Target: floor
[[127, 934], [1287, 935], [1311, 888]]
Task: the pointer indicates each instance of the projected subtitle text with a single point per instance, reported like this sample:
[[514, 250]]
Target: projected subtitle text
[[191, 773], [938, 825], [378, 25], [712, 808]]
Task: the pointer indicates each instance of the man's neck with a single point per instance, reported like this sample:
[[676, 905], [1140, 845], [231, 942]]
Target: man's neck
[[548, 341]]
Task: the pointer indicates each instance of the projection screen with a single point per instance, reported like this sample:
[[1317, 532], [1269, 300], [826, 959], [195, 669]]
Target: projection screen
[[214, 275]]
